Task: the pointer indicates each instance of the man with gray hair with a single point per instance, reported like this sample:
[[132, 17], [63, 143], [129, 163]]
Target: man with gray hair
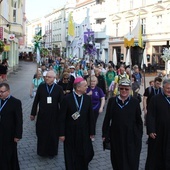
[[158, 129], [77, 127], [49, 96]]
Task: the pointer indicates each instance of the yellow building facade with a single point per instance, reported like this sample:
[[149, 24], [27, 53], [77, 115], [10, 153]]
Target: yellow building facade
[[12, 26]]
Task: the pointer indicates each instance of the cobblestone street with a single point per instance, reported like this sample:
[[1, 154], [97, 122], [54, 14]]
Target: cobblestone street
[[20, 82]]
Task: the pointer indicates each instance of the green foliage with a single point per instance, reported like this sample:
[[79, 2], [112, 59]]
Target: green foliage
[[2, 44], [44, 51]]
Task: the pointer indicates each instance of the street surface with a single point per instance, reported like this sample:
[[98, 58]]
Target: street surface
[[20, 82]]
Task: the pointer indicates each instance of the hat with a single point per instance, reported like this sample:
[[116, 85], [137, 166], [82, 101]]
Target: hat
[[125, 82], [45, 73], [135, 66], [72, 67], [78, 80]]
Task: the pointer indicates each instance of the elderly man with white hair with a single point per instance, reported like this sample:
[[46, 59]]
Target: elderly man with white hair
[[49, 96]]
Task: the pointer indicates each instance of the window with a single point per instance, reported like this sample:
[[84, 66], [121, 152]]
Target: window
[[15, 4], [14, 11], [143, 2], [131, 4], [143, 25], [130, 26], [14, 15], [117, 29], [159, 20], [118, 5]]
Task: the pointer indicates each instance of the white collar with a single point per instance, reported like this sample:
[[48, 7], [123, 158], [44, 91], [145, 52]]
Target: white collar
[[79, 95]]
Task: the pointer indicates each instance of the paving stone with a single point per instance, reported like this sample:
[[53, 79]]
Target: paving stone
[[20, 83]]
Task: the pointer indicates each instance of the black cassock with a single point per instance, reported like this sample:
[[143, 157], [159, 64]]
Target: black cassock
[[158, 121], [10, 128], [126, 129], [78, 149], [47, 119]]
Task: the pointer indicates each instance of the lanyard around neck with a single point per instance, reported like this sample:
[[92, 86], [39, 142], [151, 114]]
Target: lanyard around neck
[[77, 105], [49, 91], [155, 91], [4, 103], [122, 106]]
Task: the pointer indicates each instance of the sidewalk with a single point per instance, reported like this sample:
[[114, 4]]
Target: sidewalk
[[20, 82]]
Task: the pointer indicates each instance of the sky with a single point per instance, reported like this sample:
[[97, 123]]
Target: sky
[[39, 8]]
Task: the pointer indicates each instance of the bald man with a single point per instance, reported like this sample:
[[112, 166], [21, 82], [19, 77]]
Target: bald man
[[49, 96]]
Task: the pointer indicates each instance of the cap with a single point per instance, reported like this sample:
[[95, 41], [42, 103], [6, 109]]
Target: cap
[[45, 73], [125, 82], [135, 66], [78, 80], [72, 67]]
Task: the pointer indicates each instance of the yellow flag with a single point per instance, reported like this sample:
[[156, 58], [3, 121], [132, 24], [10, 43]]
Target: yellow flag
[[128, 43], [71, 31], [140, 41]]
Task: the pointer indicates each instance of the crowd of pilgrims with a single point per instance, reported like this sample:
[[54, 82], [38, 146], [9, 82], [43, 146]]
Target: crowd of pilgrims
[[118, 86], [107, 75]]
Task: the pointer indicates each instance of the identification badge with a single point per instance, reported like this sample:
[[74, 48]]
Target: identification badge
[[75, 115], [49, 100]]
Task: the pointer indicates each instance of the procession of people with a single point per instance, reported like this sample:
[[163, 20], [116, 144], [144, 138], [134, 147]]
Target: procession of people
[[66, 106]]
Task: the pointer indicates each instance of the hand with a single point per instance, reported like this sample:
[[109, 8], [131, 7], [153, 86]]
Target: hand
[[32, 117], [101, 110], [152, 135], [62, 138], [103, 139], [91, 136], [16, 140], [89, 93], [31, 95], [145, 111]]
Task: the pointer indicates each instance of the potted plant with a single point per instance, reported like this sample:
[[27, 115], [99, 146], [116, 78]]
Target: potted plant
[[2, 44]]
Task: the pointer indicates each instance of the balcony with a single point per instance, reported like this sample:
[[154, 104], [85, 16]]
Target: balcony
[[99, 12], [100, 35]]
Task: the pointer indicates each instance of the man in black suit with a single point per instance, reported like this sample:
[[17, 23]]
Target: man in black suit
[[77, 127], [11, 121]]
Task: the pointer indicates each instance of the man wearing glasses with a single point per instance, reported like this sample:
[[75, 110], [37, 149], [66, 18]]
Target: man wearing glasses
[[11, 121], [49, 96], [123, 120]]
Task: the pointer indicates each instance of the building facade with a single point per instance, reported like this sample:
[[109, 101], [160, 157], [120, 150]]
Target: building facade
[[110, 20], [153, 15], [12, 25]]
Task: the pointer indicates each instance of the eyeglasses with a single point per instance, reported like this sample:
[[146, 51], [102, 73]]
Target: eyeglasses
[[49, 77], [3, 91], [126, 89]]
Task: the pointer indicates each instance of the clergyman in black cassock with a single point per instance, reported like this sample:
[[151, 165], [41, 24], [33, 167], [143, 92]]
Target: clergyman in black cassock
[[49, 96], [123, 120], [76, 132], [158, 129], [11, 121]]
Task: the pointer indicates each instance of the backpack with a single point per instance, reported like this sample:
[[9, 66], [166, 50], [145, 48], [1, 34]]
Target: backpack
[[150, 89], [120, 77]]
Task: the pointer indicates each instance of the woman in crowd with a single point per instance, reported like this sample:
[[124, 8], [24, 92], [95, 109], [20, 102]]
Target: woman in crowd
[[97, 96], [35, 83], [66, 84]]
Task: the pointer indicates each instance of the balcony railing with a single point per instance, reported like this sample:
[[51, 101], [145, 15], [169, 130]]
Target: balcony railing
[[99, 12]]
